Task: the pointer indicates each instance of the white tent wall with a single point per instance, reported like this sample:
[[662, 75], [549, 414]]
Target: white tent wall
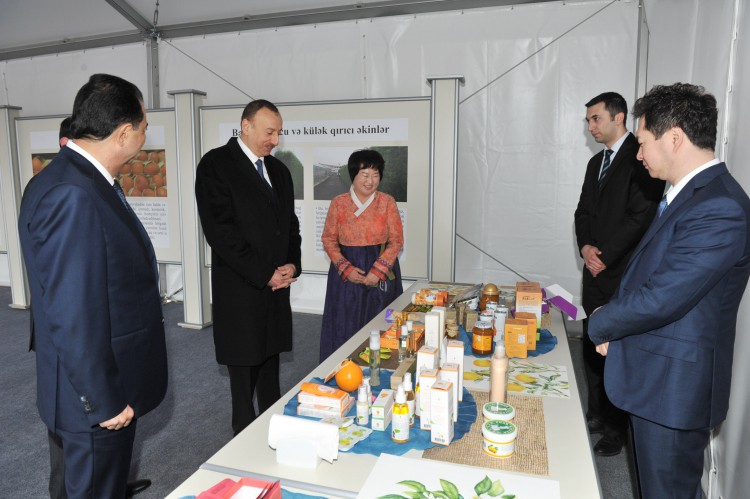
[[523, 144], [523, 141]]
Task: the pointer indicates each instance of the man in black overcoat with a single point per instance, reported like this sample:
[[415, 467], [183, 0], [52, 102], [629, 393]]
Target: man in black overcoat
[[617, 204], [245, 201]]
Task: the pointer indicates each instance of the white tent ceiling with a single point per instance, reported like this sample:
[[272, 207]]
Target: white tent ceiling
[[35, 27]]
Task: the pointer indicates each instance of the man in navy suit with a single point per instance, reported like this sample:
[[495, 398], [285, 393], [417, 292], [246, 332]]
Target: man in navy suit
[[669, 332], [99, 333]]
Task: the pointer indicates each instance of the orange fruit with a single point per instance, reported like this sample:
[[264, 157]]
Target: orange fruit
[[349, 376]]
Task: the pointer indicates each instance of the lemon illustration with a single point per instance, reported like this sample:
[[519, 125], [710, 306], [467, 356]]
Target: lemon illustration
[[482, 362], [515, 387], [472, 376], [525, 378]]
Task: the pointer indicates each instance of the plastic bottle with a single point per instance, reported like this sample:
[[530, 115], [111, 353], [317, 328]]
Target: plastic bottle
[[400, 419], [375, 358], [498, 373], [363, 407], [403, 344], [410, 397], [366, 383]]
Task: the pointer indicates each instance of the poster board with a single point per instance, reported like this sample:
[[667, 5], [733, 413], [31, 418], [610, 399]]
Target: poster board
[[316, 141], [149, 180]]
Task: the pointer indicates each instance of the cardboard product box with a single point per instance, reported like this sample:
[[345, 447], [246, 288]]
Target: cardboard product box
[[427, 358], [432, 329], [455, 355], [409, 364], [515, 338], [429, 377], [441, 412], [472, 316], [389, 337], [320, 411], [529, 299], [532, 333], [451, 372], [333, 402], [382, 410]]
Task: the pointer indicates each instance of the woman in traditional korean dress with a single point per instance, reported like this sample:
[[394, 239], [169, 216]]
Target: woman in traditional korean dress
[[362, 236]]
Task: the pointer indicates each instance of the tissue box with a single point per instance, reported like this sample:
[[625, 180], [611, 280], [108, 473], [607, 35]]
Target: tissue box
[[382, 410], [441, 413]]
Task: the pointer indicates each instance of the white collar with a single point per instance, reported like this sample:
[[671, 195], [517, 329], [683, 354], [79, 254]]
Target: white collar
[[361, 207], [80, 150]]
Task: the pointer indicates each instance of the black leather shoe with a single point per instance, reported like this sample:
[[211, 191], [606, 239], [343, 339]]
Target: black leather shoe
[[137, 486], [595, 426], [608, 447]]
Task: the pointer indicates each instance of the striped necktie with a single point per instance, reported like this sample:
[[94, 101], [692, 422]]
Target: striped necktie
[[605, 166]]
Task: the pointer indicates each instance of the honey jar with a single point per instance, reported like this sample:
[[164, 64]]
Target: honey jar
[[481, 338], [490, 293]]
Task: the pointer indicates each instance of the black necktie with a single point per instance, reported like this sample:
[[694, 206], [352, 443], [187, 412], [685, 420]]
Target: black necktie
[[121, 195], [605, 166], [259, 164]]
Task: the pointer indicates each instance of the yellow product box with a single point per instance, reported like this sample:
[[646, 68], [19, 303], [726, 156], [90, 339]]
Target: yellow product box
[[429, 377], [455, 355], [382, 410], [441, 412], [470, 318], [515, 338], [529, 299], [531, 335], [451, 372]]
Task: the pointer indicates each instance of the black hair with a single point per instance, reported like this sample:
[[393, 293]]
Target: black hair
[[365, 159], [614, 103], [104, 103], [681, 105], [254, 106], [65, 128]]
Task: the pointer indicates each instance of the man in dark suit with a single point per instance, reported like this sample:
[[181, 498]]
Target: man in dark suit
[[245, 201], [668, 334], [618, 201], [99, 334]]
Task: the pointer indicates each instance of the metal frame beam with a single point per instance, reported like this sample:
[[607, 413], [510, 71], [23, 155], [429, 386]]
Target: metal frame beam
[[249, 22]]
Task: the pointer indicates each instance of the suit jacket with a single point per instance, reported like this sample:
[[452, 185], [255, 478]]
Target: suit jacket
[[252, 230], [672, 323], [94, 285], [613, 216]]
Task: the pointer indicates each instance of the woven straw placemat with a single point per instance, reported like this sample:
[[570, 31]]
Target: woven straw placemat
[[531, 443]]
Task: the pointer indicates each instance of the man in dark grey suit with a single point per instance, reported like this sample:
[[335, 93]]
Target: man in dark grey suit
[[245, 200], [618, 201], [99, 333]]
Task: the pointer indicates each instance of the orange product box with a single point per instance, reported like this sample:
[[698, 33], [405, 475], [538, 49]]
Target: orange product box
[[516, 331], [529, 299], [531, 335], [389, 337]]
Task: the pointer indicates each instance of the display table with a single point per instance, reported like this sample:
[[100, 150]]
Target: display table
[[569, 452]]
